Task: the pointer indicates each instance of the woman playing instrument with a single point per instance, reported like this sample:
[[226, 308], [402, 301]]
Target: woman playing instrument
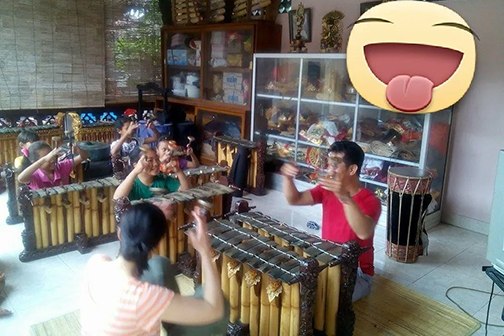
[[145, 176], [130, 295], [46, 171]]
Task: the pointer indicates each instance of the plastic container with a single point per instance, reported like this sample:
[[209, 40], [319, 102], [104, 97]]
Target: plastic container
[[192, 91]]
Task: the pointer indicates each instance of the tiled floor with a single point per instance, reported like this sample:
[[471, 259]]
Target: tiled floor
[[46, 288]]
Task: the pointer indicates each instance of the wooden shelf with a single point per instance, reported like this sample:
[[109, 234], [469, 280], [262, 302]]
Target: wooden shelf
[[198, 102], [191, 68], [230, 69]]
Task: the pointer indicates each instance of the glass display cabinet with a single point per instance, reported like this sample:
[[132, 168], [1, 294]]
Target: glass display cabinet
[[302, 103]]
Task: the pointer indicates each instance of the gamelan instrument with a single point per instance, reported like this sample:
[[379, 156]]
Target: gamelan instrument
[[64, 218], [202, 174], [227, 147], [175, 243], [282, 286], [332, 258]]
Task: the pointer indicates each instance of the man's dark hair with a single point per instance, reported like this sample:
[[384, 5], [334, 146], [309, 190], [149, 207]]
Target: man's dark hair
[[27, 136], [119, 123], [353, 153]]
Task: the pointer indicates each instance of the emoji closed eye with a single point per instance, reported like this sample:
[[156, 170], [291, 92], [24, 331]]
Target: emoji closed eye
[[457, 25], [372, 20]]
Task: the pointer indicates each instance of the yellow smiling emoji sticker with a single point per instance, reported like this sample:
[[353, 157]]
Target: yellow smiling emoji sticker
[[411, 56]]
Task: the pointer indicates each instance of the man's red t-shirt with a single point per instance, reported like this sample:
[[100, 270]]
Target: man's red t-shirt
[[335, 226]]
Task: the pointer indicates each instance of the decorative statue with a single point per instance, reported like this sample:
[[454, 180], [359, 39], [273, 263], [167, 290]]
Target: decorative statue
[[300, 19], [331, 32], [297, 45]]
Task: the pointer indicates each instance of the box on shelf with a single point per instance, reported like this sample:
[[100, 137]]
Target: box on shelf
[[178, 57], [232, 80], [218, 51], [233, 96], [169, 57]]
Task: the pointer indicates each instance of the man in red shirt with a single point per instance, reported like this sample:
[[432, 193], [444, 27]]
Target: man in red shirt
[[349, 211]]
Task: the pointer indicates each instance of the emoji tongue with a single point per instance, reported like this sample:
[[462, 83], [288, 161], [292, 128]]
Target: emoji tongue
[[409, 93]]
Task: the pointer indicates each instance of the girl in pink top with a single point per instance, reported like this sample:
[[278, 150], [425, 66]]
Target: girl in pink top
[[46, 171], [116, 300]]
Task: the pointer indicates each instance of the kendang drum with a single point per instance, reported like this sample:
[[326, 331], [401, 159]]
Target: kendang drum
[[408, 199]]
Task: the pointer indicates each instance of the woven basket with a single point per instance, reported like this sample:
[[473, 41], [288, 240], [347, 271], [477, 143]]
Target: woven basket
[[189, 12], [248, 10]]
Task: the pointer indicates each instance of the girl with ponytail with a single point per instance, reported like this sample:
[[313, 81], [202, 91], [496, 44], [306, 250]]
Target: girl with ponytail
[[131, 295]]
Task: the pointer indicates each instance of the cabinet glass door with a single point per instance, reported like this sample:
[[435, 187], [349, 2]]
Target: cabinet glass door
[[183, 64], [395, 137], [276, 104], [325, 113], [326, 80], [389, 139], [228, 66]]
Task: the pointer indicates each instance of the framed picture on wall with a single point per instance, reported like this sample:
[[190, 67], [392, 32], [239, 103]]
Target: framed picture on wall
[[306, 32], [367, 5]]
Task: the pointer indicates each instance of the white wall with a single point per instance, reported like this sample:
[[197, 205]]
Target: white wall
[[478, 124]]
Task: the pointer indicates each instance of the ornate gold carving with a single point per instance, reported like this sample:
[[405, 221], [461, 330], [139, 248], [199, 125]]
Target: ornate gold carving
[[76, 122], [331, 39]]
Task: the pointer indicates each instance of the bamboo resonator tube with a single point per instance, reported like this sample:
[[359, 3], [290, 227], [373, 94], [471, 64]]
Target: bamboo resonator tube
[[55, 216], [227, 148]]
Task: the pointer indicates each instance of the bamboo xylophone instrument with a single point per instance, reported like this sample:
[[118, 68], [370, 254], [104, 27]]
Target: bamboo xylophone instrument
[[336, 280], [227, 147], [271, 290], [175, 245], [64, 218]]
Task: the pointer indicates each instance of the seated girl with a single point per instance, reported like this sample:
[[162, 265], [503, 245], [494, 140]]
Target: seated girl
[[132, 294], [45, 170], [145, 175], [25, 138], [169, 162]]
